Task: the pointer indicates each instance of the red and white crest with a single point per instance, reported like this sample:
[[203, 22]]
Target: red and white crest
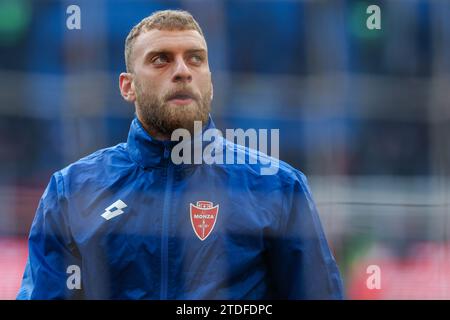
[[203, 218]]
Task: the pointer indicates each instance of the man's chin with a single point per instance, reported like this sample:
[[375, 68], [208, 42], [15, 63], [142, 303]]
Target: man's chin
[[185, 112], [186, 122]]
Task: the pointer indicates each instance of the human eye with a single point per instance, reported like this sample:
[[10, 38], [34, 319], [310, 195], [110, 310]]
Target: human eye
[[160, 59], [196, 59]]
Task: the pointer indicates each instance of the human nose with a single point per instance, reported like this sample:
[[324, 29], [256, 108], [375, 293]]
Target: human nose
[[182, 72]]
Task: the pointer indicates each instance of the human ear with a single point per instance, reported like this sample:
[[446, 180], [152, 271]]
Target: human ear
[[126, 87]]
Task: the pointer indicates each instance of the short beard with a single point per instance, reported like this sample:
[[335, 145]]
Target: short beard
[[157, 114]]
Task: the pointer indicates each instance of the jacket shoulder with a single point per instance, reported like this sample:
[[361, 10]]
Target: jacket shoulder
[[255, 162], [95, 168]]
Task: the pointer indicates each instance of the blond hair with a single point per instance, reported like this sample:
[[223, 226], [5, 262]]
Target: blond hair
[[161, 20]]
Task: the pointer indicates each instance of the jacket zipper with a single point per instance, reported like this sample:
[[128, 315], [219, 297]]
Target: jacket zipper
[[165, 226]]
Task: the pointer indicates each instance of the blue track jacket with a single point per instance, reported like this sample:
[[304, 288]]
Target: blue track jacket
[[127, 223]]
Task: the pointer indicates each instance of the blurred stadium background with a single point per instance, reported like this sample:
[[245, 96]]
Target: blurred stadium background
[[363, 113]]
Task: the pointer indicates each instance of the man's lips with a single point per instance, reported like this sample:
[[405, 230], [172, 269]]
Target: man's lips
[[181, 99]]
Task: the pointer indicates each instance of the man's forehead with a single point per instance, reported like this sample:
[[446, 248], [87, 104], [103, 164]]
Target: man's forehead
[[169, 40]]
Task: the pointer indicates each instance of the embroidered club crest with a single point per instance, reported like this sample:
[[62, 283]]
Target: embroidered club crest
[[203, 218]]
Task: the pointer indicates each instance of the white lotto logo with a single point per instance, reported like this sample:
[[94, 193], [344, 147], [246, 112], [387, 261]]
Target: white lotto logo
[[220, 151], [114, 210]]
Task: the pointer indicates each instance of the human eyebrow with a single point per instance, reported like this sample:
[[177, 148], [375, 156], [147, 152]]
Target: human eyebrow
[[199, 50]]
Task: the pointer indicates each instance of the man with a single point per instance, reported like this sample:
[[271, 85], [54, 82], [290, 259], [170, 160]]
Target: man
[[127, 223]]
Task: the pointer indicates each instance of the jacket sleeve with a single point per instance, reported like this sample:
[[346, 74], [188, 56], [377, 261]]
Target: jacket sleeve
[[302, 264], [51, 250]]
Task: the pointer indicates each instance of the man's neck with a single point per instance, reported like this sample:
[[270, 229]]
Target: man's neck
[[153, 132]]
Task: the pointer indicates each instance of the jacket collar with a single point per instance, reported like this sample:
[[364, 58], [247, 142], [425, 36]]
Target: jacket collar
[[149, 152]]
